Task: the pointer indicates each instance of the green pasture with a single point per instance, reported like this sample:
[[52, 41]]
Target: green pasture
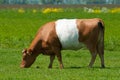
[[17, 30]]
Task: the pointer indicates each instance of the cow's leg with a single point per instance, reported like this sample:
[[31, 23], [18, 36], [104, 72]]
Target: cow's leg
[[52, 57], [60, 60], [100, 49], [93, 56], [102, 60]]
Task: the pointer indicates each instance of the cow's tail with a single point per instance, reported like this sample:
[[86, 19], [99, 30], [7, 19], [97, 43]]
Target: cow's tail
[[100, 44], [101, 35]]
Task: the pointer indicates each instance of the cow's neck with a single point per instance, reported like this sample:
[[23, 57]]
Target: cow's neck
[[35, 47]]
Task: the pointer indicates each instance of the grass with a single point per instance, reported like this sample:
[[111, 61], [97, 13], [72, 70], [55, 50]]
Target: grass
[[75, 67], [18, 29]]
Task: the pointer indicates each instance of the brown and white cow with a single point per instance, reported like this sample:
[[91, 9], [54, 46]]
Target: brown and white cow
[[66, 34]]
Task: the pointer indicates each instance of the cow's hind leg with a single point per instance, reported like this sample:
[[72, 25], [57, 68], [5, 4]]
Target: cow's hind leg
[[93, 56], [100, 50], [52, 57]]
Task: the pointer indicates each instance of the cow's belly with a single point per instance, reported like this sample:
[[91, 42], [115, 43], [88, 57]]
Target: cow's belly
[[67, 33]]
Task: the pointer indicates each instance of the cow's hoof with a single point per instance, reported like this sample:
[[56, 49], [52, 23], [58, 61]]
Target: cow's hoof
[[103, 66]]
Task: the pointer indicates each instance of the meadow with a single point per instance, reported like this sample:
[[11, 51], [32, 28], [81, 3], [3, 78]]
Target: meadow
[[19, 26]]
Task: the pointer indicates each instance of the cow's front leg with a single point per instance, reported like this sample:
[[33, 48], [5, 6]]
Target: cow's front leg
[[60, 60], [52, 57]]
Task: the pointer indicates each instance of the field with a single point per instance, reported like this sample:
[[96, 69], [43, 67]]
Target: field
[[18, 27]]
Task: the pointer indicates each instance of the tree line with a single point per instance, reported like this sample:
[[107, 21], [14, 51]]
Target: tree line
[[59, 1]]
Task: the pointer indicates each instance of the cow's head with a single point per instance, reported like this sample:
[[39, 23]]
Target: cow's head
[[28, 58]]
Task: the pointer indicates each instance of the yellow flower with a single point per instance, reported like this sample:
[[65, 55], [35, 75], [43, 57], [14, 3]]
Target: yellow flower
[[60, 10], [97, 11], [21, 10], [55, 10], [112, 11], [34, 10], [115, 10], [49, 10]]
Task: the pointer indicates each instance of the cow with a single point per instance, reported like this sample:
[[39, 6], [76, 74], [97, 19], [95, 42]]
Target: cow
[[66, 34]]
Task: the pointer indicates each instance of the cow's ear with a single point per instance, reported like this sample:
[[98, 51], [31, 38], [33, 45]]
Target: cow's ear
[[29, 52], [24, 51]]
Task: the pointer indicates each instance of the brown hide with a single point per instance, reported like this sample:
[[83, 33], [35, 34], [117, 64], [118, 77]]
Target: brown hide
[[47, 42], [88, 31]]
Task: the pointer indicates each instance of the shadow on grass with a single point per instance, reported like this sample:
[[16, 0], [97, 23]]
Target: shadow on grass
[[85, 67], [73, 67]]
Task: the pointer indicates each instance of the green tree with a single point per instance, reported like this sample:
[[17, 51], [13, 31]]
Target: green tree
[[1, 1]]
